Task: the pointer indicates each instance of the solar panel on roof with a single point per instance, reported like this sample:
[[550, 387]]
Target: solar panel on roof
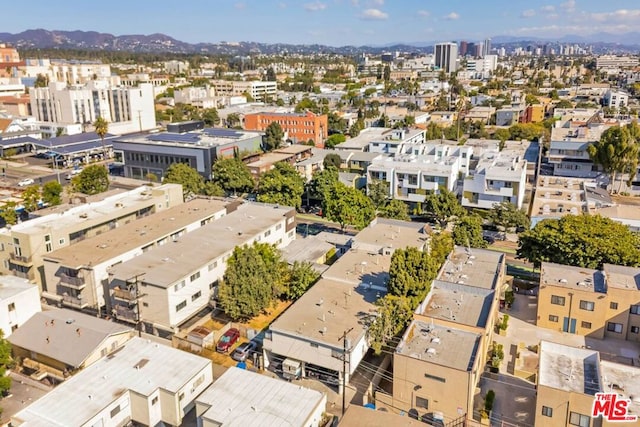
[[222, 133], [175, 137]]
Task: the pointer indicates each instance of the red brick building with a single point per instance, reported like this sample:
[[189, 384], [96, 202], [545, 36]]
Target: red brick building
[[300, 127]]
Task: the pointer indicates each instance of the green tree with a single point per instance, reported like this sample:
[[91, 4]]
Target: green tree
[[580, 240], [281, 185], [41, 81], [5, 362], [102, 128], [270, 76], [468, 232], [443, 206], [233, 176], [393, 315], [322, 182], [395, 209], [233, 120], [210, 117], [93, 179], [616, 152], [252, 280], [212, 189], [433, 131], [9, 214], [335, 139], [506, 215], [183, 174], [332, 160], [502, 134], [346, 205], [441, 246], [301, 276], [273, 136], [30, 198], [378, 190], [411, 273], [52, 193], [564, 104]]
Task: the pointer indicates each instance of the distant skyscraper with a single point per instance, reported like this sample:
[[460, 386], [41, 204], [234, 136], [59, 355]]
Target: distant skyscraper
[[446, 55], [487, 47], [479, 50], [464, 46]]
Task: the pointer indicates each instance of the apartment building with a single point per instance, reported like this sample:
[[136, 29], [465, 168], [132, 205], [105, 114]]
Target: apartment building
[[145, 383], [126, 110], [258, 90], [446, 57], [444, 350], [615, 99], [196, 147], [298, 127], [22, 246], [166, 286], [499, 176], [308, 334], [612, 64], [19, 300], [594, 303], [78, 274], [568, 380]]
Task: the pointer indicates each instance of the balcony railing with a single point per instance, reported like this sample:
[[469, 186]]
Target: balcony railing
[[74, 301], [72, 282], [21, 259], [126, 314], [124, 294]]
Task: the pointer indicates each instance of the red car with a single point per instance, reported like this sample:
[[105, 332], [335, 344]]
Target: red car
[[227, 340]]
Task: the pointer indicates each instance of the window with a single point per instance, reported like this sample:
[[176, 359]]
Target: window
[[154, 400], [145, 304], [115, 411], [635, 309], [194, 277], [182, 305], [48, 245], [587, 305], [196, 296], [613, 306], [635, 329], [557, 300], [435, 378], [181, 396], [213, 265], [547, 411], [267, 233], [61, 241], [586, 325], [14, 327], [576, 419], [553, 318], [421, 402], [179, 286], [278, 227], [614, 327], [12, 306]]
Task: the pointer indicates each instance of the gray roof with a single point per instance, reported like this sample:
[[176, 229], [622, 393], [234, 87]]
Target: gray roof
[[141, 366], [12, 285], [72, 336], [240, 397], [308, 249]]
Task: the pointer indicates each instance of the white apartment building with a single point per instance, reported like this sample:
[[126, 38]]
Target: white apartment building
[[500, 176], [393, 138], [168, 285], [615, 99], [613, 64], [68, 72], [126, 109], [78, 274], [483, 67], [19, 300], [203, 97], [176, 67], [144, 382], [258, 90]]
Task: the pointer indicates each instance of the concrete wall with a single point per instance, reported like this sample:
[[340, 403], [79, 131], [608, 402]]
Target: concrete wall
[[16, 310]]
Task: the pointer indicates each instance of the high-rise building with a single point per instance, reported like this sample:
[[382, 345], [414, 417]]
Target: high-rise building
[[464, 46], [487, 47], [446, 55]]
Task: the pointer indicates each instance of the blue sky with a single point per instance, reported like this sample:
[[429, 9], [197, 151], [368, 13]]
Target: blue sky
[[331, 22]]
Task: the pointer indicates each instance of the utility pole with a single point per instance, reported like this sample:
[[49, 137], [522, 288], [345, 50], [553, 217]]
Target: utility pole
[[344, 369]]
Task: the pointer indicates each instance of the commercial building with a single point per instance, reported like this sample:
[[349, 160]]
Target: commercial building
[[166, 286], [595, 303], [446, 57], [59, 342], [258, 90], [125, 109], [77, 274], [144, 382], [257, 400], [444, 350], [19, 300], [192, 145], [568, 380], [612, 64], [298, 127], [311, 332], [23, 245]]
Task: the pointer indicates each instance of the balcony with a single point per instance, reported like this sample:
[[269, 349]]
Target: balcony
[[24, 260], [72, 282], [74, 302], [23, 274], [124, 295], [126, 314]]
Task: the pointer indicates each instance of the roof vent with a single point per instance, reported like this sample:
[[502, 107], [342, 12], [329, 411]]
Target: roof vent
[[431, 352]]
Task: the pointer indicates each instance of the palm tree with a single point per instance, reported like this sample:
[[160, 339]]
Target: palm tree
[[101, 128]]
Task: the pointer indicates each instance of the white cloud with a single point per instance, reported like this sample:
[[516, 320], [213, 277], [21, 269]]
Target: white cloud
[[569, 5], [374, 15], [620, 15], [424, 13], [549, 8], [528, 13], [452, 16], [315, 6]]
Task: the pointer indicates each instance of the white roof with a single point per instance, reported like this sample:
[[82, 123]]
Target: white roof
[[247, 399], [12, 285]]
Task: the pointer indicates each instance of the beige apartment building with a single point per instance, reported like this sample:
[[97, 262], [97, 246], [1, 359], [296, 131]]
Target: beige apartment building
[[445, 348], [595, 303], [22, 246]]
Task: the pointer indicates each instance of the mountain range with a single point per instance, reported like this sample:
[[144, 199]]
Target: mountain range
[[92, 40]]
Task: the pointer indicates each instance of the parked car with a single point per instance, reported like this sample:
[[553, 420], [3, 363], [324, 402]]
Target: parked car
[[489, 239], [243, 351], [227, 340], [73, 173], [25, 182]]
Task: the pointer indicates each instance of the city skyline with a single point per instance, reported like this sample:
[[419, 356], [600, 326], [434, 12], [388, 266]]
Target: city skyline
[[331, 22]]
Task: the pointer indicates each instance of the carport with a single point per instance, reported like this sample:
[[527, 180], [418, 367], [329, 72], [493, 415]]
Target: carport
[[71, 150]]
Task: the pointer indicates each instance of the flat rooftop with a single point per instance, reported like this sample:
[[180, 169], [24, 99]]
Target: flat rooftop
[[11, 286], [307, 249], [241, 397], [453, 348], [363, 139], [568, 368], [382, 232], [358, 416], [141, 366], [622, 277], [361, 266], [473, 267], [170, 263], [106, 246], [458, 303], [569, 277], [624, 380], [202, 138]]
